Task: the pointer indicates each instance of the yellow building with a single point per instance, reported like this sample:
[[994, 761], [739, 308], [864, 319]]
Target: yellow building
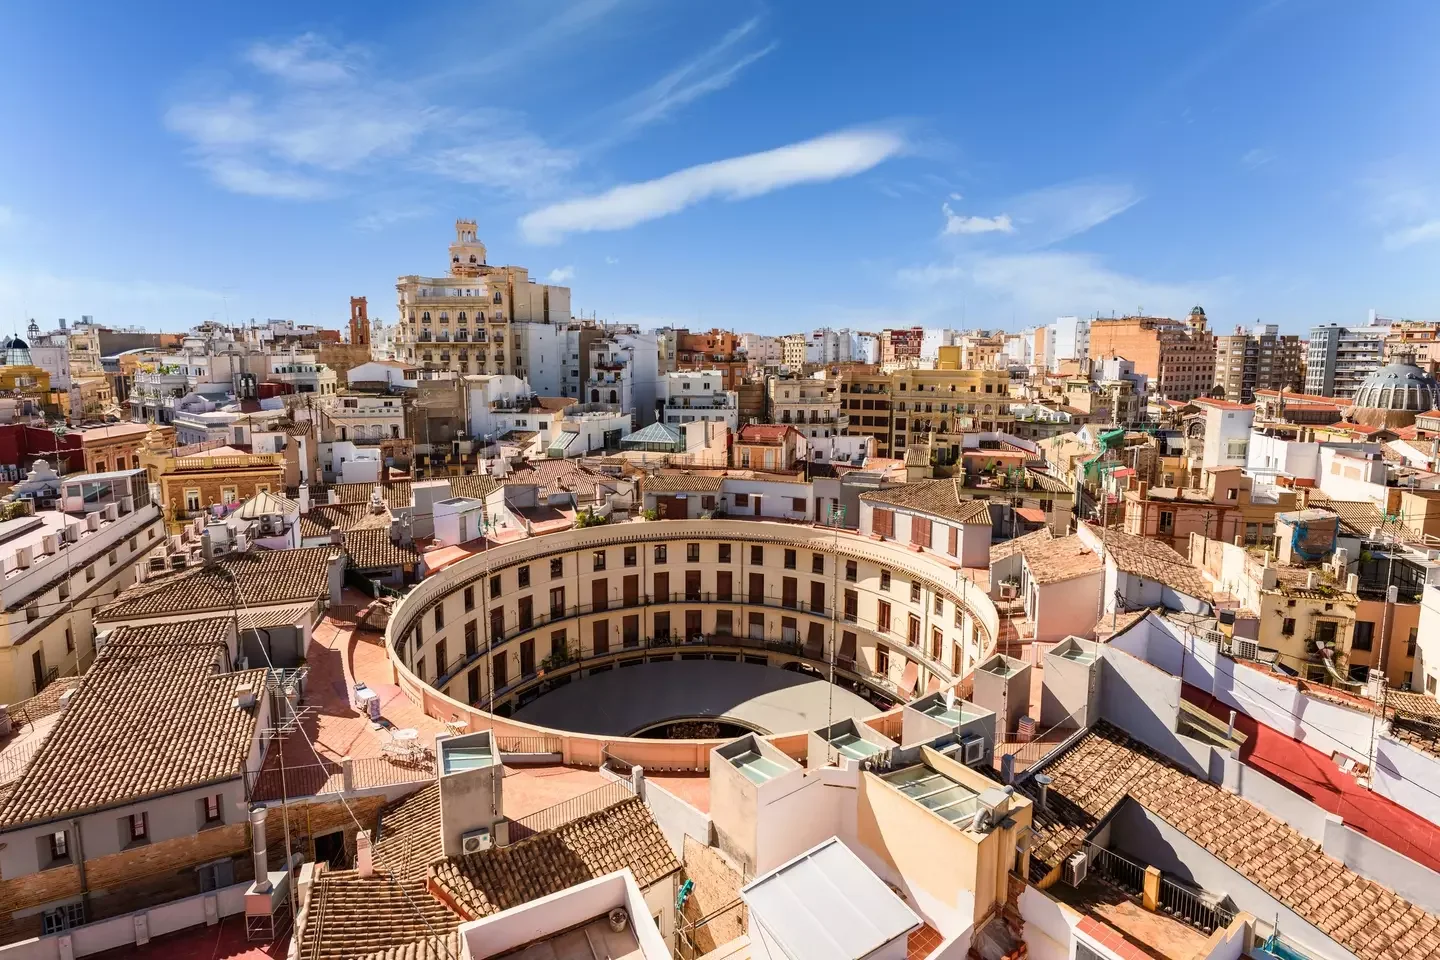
[[19, 377], [940, 406], [190, 485]]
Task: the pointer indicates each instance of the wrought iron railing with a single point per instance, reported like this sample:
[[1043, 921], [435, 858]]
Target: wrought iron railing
[[1119, 870], [530, 744], [1193, 907], [557, 815]]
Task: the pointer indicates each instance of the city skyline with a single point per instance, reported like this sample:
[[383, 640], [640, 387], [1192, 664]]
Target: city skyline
[[655, 159]]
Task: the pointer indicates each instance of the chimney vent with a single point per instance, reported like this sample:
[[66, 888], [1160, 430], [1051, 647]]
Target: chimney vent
[[245, 696]]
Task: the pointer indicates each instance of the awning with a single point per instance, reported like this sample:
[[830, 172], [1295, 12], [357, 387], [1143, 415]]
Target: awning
[[909, 678], [1030, 514], [286, 616], [934, 684]]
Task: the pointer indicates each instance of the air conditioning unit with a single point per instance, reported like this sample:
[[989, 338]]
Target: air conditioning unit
[[1077, 867], [974, 750], [1215, 637], [157, 564], [475, 841], [1008, 591], [50, 543], [1245, 649]]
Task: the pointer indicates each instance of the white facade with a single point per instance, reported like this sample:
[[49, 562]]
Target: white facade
[[51, 353], [1071, 338], [492, 401], [363, 417], [1348, 474], [1227, 434], [552, 357], [762, 349], [590, 428], [394, 374], [933, 340], [625, 370], [867, 348], [825, 345], [301, 370], [842, 448], [691, 395]]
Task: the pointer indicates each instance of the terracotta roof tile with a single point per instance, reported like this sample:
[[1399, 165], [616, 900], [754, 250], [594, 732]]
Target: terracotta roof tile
[[373, 550], [1154, 561], [262, 577], [1009, 548], [623, 835], [408, 839], [149, 717], [1062, 559], [943, 498], [1106, 766], [324, 517], [682, 483], [350, 916]]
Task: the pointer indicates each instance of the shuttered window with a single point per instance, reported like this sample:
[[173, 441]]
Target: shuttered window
[[885, 523], [920, 531]]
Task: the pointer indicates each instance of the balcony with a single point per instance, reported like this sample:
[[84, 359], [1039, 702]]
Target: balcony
[[608, 365]]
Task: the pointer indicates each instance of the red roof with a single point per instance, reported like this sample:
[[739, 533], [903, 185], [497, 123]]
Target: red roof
[[1223, 404], [765, 432], [1297, 397], [1030, 514]]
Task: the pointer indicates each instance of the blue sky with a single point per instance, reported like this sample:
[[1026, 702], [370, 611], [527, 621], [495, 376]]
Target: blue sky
[[757, 167]]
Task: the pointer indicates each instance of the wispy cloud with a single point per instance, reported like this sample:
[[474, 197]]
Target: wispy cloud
[[1257, 157], [956, 224], [1404, 202], [561, 275], [1057, 213], [1051, 283], [829, 157], [612, 260], [388, 216], [313, 116], [713, 70]]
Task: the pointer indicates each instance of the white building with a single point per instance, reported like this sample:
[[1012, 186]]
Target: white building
[[491, 402], [691, 395], [1070, 337], [590, 428], [363, 417], [825, 346], [301, 371], [625, 370], [392, 373], [933, 340], [1227, 433], [51, 353], [552, 357], [761, 349]]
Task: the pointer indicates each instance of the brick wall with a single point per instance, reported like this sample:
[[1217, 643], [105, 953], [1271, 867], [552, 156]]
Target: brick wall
[[312, 820], [717, 886]]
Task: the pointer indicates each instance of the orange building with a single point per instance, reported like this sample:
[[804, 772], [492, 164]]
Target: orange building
[[716, 350], [767, 446], [1177, 356]]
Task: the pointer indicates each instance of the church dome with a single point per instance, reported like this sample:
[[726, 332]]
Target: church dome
[[16, 353], [1394, 395]]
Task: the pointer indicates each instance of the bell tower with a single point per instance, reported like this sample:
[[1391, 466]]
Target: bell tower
[[467, 253], [359, 322]]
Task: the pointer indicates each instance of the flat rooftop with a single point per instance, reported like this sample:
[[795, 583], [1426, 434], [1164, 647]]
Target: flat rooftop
[[933, 790], [621, 701], [593, 939]]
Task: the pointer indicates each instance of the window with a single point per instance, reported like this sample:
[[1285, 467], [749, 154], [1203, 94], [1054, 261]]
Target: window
[[757, 555], [852, 605], [707, 502], [817, 564], [469, 599], [882, 617], [213, 809], [724, 553], [939, 605], [789, 559], [884, 579], [65, 590], [557, 568], [852, 571], [883, 522], [557, 602], [1167, 521], [32, 613], [89, 572], [63, 918], [69, 640], [135, 827], [1288, 627], [597, 560], [692, 553], [1364, 635], [59, 846], [660, 552], [882, 659], [441, 658], [524, 574], [743, 499], [797, 504], [192, 499], [1410, 644], [915, 591], [630, 559], [494, 588], [439, 618], [470, 646]]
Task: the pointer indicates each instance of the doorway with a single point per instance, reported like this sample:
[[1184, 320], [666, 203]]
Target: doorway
[[330, 848]]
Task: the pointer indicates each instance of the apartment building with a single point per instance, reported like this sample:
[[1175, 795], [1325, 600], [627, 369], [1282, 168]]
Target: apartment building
[[625, 370], [1419, 339], [117, 445], [461, 322], [938, 407], [792, 351], [865, 403], [193, 480], [61, 563], [762, 350], [901, 346], [1178, 357], [811, 404], [690, 395], [1340, 358], [1258, 359]]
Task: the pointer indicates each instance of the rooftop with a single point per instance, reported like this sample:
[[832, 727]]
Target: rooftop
[[1153, 560], [943, 498], [1063, 559], [260, 577], [1105, 767], [152, 716], [373, 549], [682, 483]]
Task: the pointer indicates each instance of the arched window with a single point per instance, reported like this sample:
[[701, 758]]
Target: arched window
[[613, 397], [594, 396]]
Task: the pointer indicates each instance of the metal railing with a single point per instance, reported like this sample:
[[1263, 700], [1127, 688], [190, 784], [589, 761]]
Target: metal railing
[[552, 817], [1119, 870], [1193, 907], [530, 744]]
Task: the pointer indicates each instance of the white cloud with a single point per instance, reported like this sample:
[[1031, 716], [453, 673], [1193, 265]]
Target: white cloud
[[824, 158], [1052, 283], [711, 71], [561, 275], [957, 224], [1053, 214], [378, 220], [1257, 158], [1416, 233], [612, 260], [316, 115]]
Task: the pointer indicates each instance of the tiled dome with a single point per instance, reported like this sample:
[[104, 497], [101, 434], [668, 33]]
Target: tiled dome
[[1393, 395]]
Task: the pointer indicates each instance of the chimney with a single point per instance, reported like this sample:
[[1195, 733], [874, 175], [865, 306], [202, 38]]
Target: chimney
[[337, 536], [1311, 580], [334, 495], [304, 499], [364, 857], [1043, 781], [1143, 489], [257, 849], [1352, 583]]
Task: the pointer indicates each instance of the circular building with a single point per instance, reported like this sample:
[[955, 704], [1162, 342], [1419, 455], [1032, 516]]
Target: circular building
[[1395, 395], [657, 641]]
